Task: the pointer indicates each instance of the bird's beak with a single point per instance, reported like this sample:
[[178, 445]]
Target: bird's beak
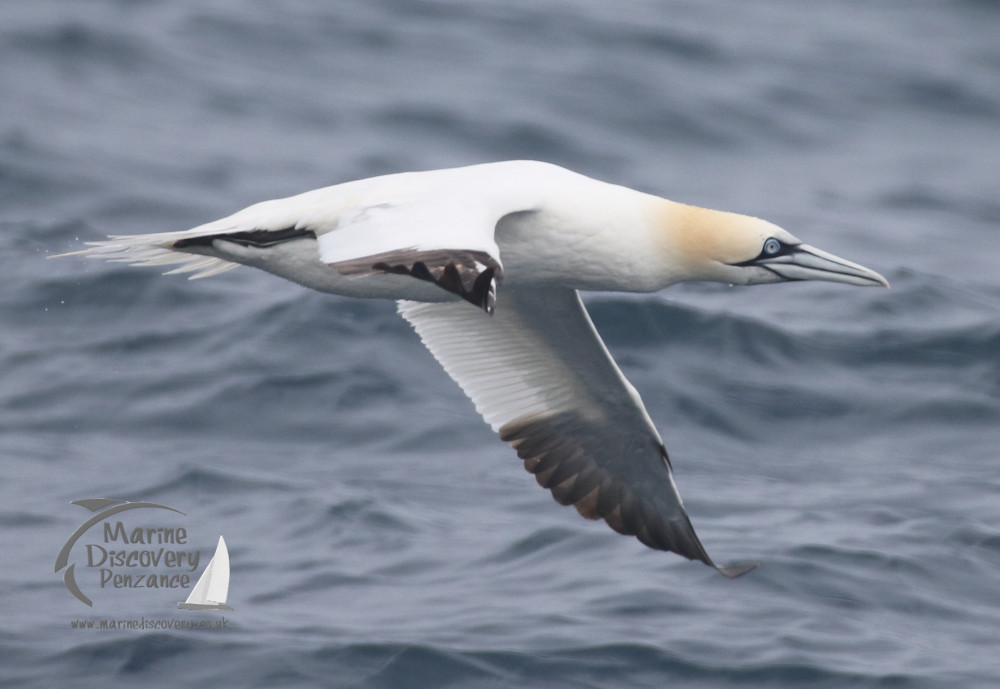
[[805, 262]]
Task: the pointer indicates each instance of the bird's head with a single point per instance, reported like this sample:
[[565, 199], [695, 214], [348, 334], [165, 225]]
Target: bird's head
[[742, 250]]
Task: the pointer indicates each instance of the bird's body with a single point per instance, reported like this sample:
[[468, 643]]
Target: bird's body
[[516, 239], [549, 225]]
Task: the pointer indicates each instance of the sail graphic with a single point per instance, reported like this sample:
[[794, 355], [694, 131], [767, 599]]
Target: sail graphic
[[213, 587]]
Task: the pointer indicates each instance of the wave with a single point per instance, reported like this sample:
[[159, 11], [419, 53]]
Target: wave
[[152, 660]]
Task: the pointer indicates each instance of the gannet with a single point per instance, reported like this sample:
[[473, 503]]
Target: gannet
[[486, 263]]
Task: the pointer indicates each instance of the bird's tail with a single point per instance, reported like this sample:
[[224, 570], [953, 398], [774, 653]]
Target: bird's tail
[[155, 250]]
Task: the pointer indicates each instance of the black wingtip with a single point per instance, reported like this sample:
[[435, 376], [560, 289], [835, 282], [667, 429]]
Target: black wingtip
[[488, 300], [261, 239], [735, 569]]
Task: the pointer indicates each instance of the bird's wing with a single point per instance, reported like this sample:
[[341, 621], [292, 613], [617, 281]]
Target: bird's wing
[[438, 228], [439, 237], [542, 378]]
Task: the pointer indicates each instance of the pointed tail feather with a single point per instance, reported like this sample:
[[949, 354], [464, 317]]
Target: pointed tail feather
[[154, 250]]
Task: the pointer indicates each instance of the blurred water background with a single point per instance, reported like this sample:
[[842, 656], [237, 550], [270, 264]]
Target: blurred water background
[[380, 535]]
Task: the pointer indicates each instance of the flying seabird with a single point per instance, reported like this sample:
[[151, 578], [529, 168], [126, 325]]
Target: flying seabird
[[486, 263]]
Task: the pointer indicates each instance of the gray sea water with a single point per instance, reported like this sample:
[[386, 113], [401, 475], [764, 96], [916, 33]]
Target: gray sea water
[[379, 534]]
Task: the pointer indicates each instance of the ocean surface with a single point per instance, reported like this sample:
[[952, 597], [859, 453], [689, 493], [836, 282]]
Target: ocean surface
[[380, 536]]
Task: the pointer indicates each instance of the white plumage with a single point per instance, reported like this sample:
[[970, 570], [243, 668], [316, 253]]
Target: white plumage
[[517, 240]]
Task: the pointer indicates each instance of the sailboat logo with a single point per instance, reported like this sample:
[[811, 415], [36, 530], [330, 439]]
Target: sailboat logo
[[212, 589]]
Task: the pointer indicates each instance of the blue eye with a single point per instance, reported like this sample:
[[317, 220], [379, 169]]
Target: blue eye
[[772, 246]]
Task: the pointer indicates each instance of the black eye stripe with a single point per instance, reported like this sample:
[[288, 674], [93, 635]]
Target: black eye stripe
[[772, 248], [775, 247]]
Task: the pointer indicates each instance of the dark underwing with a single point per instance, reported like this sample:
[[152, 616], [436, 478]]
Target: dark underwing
[[472, 275], [588, 468]]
